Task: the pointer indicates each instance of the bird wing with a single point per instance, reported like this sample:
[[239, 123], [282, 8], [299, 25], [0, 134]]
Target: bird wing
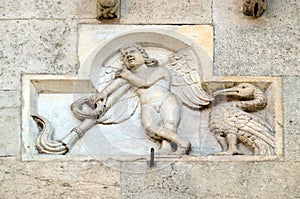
[[186, 80], [123, 105], [253, 125]]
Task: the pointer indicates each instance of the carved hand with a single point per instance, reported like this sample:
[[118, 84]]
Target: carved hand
[[97, 97], [98, 102]]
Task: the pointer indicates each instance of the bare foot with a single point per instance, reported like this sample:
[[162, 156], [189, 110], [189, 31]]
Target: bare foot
[[183, 149], [165, 148]]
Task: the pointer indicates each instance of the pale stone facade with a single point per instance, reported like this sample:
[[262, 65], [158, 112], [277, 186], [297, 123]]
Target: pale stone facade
[[41, 37]]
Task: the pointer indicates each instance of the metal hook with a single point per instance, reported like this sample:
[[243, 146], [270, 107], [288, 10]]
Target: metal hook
[[151, 163]]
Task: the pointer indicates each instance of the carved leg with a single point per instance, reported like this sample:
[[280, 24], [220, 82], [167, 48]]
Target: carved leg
[[170, 117], [162, 133], [232, 144], [222, 142], [165, 148], [228, 145], [183, 146], [170, 113]]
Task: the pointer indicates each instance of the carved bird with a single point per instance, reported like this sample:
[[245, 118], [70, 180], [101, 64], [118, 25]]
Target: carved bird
[[231, 123]]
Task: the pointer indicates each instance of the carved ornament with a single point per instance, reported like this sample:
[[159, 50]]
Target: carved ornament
[[254, 8], [108, 9]]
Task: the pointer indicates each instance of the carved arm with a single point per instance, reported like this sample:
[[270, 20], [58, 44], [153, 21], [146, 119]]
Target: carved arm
[[114, 85], [139, 82]]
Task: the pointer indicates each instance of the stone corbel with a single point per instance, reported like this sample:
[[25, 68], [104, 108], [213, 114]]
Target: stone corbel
[[254, 8], [108, 9]]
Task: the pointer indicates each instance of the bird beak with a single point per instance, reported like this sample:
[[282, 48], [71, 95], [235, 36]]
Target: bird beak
[[228, 91]]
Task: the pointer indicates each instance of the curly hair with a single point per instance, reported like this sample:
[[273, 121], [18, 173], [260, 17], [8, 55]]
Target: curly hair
[[151, 62]]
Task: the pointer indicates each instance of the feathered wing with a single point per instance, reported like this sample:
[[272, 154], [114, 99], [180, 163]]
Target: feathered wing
[[186, 80], [106, 76], [253, 131], [122, 103]]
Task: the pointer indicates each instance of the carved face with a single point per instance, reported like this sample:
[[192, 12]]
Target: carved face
[[107, 3], [242, 90], [132, 57]]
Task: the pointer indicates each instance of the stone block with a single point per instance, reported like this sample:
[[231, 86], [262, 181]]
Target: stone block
[[57, 180], [291, 98], [9, 99], [278, 13], [264, 46], [36, 46], [166, 12], [211, 180], [48, 9], [10, 131]]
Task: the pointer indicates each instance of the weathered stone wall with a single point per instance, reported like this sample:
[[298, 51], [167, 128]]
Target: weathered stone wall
[[41, 37]]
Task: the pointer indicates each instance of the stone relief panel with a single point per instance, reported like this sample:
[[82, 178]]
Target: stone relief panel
[[151, 88], [231, 122]]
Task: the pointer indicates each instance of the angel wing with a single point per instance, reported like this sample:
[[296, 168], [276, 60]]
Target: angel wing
[[106, 76], [123, 101], [186, 81]]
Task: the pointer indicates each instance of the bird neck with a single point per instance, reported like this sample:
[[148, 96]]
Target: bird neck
[[258, 102]]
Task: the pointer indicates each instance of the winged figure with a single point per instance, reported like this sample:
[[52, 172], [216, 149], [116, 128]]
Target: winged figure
[[159, 90], [232, 122]]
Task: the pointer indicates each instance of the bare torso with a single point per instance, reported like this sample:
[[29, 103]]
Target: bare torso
[[155, 94]]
